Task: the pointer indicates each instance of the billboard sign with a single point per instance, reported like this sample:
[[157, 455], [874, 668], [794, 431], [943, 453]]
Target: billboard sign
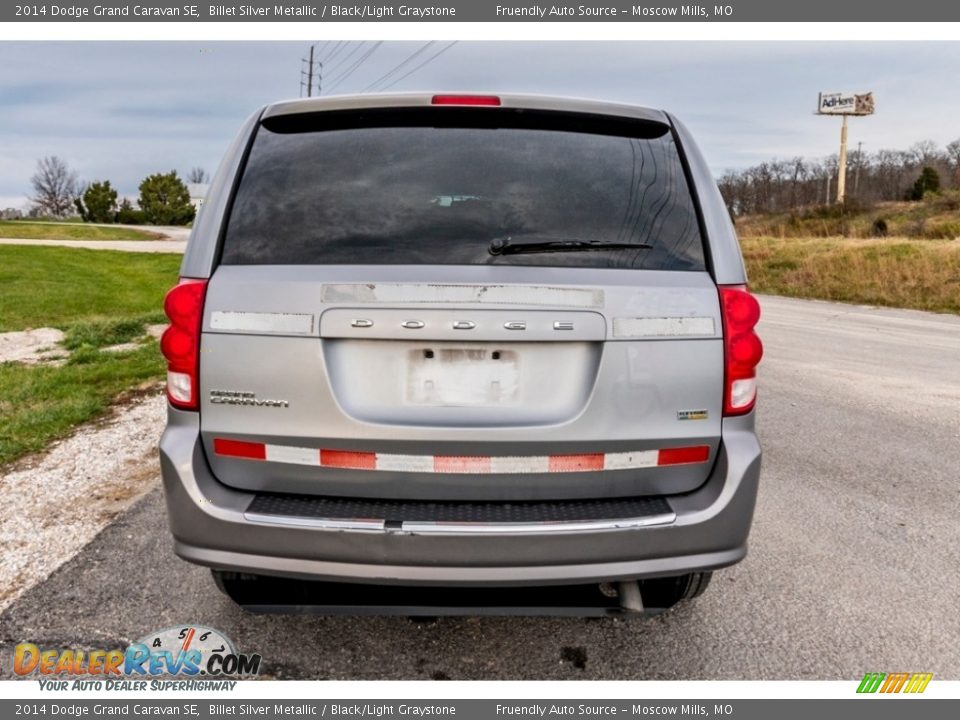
[[845, 104]]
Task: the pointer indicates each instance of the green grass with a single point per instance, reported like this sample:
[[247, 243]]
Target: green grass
[[69, 231], [39, 404], [99, 298], [102, 333], [58, 287]]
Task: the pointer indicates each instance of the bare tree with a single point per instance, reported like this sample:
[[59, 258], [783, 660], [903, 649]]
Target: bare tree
[[890, 173], [198, 176], [777, 186], [55, 186], [953, 155], [924, 152]]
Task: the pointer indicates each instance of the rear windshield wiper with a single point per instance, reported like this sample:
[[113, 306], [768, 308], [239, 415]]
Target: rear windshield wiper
[[509, 246]]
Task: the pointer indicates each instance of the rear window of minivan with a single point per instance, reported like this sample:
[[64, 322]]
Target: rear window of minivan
[[438, 186]]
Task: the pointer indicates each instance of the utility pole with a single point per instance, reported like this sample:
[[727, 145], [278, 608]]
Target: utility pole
[[856, 178], [826, 196], [309, 72], [310, 82]]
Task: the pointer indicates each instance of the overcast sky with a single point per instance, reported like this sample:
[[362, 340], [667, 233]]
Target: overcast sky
[[121, 111]]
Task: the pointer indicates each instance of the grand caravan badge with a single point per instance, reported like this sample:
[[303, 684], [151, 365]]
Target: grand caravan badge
[[236, 397]]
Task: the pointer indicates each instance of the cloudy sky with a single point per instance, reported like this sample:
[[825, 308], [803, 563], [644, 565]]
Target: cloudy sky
[[120, 111]]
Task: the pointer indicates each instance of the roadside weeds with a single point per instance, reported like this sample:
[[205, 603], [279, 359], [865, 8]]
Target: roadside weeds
[[892, 272]]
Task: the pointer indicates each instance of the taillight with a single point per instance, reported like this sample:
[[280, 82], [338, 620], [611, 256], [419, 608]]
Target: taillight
[[489, 100], [180, 342], [742, 348]]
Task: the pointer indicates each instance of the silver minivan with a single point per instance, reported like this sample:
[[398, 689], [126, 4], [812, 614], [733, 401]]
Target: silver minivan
[[459, 353]]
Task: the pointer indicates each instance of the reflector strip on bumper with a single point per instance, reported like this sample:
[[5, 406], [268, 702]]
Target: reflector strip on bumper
[[462, 464]]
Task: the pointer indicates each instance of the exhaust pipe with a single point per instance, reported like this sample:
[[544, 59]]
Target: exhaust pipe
[[630, 598]]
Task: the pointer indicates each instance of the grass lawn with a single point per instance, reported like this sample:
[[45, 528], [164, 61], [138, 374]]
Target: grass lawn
[[98, 298], [39, 404], [894, 272], [56, 286], [69, 231]]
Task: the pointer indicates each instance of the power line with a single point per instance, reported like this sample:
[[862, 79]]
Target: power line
[[425, 62], [353, 68], [343, 60], [324, 53], [396, 68], [337, 47], [349, 70], [323, 47]]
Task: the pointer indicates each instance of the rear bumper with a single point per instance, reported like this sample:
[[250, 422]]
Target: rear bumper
[[211, 527]]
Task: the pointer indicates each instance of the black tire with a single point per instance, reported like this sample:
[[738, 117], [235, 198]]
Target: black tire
[[220, 579], [664, 593], [233, 584]]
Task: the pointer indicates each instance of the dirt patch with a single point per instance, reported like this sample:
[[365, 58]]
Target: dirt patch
[[42, 345], [56, 502], [31, 346]]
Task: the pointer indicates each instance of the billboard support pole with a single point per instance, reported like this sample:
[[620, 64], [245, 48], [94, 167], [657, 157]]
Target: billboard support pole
[[842, 171], [845, 104]]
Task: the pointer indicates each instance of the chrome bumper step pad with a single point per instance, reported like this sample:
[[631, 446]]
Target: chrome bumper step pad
[[450, 517]]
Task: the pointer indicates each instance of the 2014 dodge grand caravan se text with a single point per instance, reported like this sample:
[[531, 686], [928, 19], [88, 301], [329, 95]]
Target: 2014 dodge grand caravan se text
[[430, 347]]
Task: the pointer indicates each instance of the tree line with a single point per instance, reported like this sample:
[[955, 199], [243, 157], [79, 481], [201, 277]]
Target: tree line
[[164, 198], [779, 186]]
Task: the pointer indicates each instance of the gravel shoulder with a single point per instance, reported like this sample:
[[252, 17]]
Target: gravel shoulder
[[57, 502]]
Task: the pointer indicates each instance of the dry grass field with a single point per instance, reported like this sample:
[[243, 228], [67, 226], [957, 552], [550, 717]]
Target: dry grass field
[[895, 272]]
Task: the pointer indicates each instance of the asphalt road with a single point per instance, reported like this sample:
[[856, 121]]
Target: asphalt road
[[853, 562]]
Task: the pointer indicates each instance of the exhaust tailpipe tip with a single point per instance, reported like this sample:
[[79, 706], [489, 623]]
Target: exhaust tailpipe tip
[[630, 598]]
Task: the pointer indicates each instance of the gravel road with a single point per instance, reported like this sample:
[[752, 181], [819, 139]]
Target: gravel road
[[175, 241], [145, 246], [852, 566]]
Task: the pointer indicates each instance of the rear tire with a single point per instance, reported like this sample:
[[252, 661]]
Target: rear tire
[[218, 579], [664, 593], [232, 583], [657, 594]]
